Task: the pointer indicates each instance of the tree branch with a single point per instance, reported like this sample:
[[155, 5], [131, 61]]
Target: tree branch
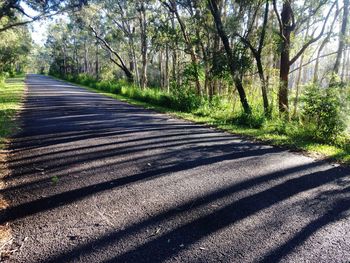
[[104, 42], [313, 40], [312, 60]]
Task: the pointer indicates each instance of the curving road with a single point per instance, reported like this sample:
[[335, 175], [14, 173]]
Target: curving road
[[98, 180]]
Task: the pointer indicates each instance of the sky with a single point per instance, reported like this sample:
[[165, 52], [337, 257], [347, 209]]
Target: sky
[[39, 29]]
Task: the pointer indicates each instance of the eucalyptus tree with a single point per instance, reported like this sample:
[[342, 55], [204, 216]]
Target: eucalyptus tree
[[291, 19], [178, 9], [232, 61], [342, 36], [253, 36], [15, 46], [112, 35]]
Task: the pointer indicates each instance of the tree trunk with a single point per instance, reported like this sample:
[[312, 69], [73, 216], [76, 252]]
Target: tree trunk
[[160, 58], [144, 48], [344, 66], [259, 62], [174, 52], [342, 37], [97, 66], [263, 85], [166, 77], [287, 28], [284, 72], [233, 69]]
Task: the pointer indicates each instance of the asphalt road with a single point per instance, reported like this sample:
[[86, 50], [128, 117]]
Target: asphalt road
[[97, 180]]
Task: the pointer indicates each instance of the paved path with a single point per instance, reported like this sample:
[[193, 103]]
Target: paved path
[[97, 180]]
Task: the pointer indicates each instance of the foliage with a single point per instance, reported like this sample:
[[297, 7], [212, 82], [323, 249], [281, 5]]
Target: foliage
[[323, 110], [15, 45], [184, 98], [177, 99], [10, 98], [253, 120], [193, 71]]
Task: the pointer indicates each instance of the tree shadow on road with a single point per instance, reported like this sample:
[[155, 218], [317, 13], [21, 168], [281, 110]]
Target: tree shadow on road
[[121, 137], [159, 249]]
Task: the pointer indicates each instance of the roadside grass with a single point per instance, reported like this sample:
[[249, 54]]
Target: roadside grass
[[11, 93], [273, 131]]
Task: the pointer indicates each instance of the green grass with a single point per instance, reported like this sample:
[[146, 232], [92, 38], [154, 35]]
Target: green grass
[[292, 136], [11, 93]]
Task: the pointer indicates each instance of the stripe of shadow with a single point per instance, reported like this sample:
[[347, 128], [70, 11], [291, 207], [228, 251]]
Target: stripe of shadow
[[63, 174], [199, 228], [18, 146], [91, 156], [176, 211], [147, 138], [40, 205], [329, 217]]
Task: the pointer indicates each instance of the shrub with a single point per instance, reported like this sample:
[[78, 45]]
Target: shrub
[[3, 77], [184, 98], [323, 110], [253, 120], [277, 126]]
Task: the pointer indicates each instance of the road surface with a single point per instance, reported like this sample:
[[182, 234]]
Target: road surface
[[97, 180]]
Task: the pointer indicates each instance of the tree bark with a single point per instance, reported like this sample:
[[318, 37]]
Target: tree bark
[[233, 69], [287, 26], [342, 37], [144, 48]]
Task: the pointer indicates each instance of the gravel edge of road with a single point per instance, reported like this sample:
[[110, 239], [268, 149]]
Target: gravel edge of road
[[6, 237]]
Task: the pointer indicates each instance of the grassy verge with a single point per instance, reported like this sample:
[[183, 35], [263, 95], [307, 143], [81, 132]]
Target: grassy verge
[[11, 93], [293, 138]]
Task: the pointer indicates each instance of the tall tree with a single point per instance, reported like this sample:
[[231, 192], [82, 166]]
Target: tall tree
[[342, 36], [257, 51], [173, 7], [144, 43], [287, 24], [231, 61]]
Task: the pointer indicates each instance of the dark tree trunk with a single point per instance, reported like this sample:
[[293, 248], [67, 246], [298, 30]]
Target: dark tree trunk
[[233, 69], [286, 30]]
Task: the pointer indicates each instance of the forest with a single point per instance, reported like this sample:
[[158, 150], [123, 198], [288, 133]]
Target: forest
[[276, 70]]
